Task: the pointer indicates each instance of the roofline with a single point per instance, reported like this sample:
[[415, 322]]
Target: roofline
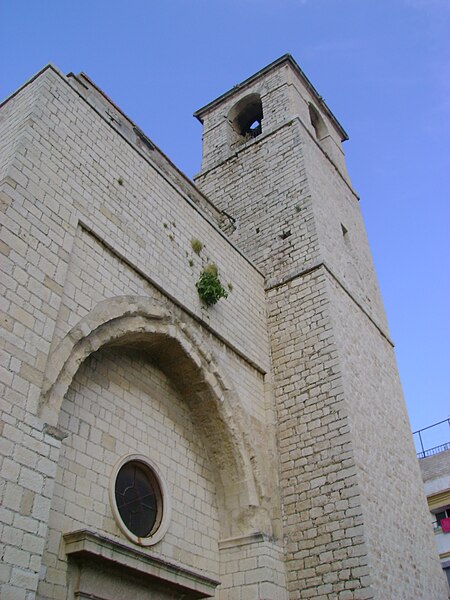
[[49, 66], [286, 58], [149, 160], [83, 75]]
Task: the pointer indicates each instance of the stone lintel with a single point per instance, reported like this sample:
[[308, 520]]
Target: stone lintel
[[242, 540], [89, 544]]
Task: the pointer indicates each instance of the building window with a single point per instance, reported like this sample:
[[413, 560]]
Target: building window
[[139, 500], [439, 515]]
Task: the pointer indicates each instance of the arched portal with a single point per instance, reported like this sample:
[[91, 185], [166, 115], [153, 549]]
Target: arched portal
[[135, 323]]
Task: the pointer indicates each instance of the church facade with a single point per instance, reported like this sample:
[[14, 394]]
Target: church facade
[[199, 392]]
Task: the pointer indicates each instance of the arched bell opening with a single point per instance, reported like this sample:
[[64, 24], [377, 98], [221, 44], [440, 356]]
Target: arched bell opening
[[245, 119]]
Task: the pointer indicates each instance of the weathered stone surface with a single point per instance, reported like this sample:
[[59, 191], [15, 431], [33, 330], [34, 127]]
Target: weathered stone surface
[[270, 416]]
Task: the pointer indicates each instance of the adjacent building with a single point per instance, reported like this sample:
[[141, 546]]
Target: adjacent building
[[435, 467]]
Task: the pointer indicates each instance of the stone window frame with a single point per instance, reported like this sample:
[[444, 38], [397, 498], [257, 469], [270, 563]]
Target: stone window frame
[[166, 507]]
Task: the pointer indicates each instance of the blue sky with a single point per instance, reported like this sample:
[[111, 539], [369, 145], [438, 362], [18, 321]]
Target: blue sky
[[383, 67]]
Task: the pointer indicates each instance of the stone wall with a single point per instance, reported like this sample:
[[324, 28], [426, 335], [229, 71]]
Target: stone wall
[[326, 549], [120, 404], [384, 452], [97, 250], [275, 417]]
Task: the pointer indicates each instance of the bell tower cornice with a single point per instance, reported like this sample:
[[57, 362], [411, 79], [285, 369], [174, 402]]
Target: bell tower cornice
[[250, 81]]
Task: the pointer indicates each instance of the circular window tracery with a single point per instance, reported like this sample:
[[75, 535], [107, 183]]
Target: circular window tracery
[[139, 500]]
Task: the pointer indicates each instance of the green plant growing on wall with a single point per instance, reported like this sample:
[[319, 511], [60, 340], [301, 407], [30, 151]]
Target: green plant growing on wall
[[196, 245], [209, 287]]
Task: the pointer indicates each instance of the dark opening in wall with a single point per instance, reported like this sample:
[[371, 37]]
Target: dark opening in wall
[[246, 117], [317, 122]]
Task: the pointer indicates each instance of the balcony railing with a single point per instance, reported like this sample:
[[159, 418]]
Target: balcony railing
[[435, 433]]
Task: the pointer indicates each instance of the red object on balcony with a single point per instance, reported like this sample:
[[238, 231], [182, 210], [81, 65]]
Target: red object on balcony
[[445, 524]]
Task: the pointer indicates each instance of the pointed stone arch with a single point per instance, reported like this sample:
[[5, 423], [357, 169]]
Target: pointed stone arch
[[134, 321]]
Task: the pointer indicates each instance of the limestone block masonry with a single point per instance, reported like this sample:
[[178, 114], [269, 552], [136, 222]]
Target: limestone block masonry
[[270, 428]]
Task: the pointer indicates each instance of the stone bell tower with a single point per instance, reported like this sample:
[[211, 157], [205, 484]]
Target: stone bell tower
[[355, 523]]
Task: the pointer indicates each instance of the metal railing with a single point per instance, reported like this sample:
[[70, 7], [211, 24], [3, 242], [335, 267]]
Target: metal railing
[[435, 449]]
